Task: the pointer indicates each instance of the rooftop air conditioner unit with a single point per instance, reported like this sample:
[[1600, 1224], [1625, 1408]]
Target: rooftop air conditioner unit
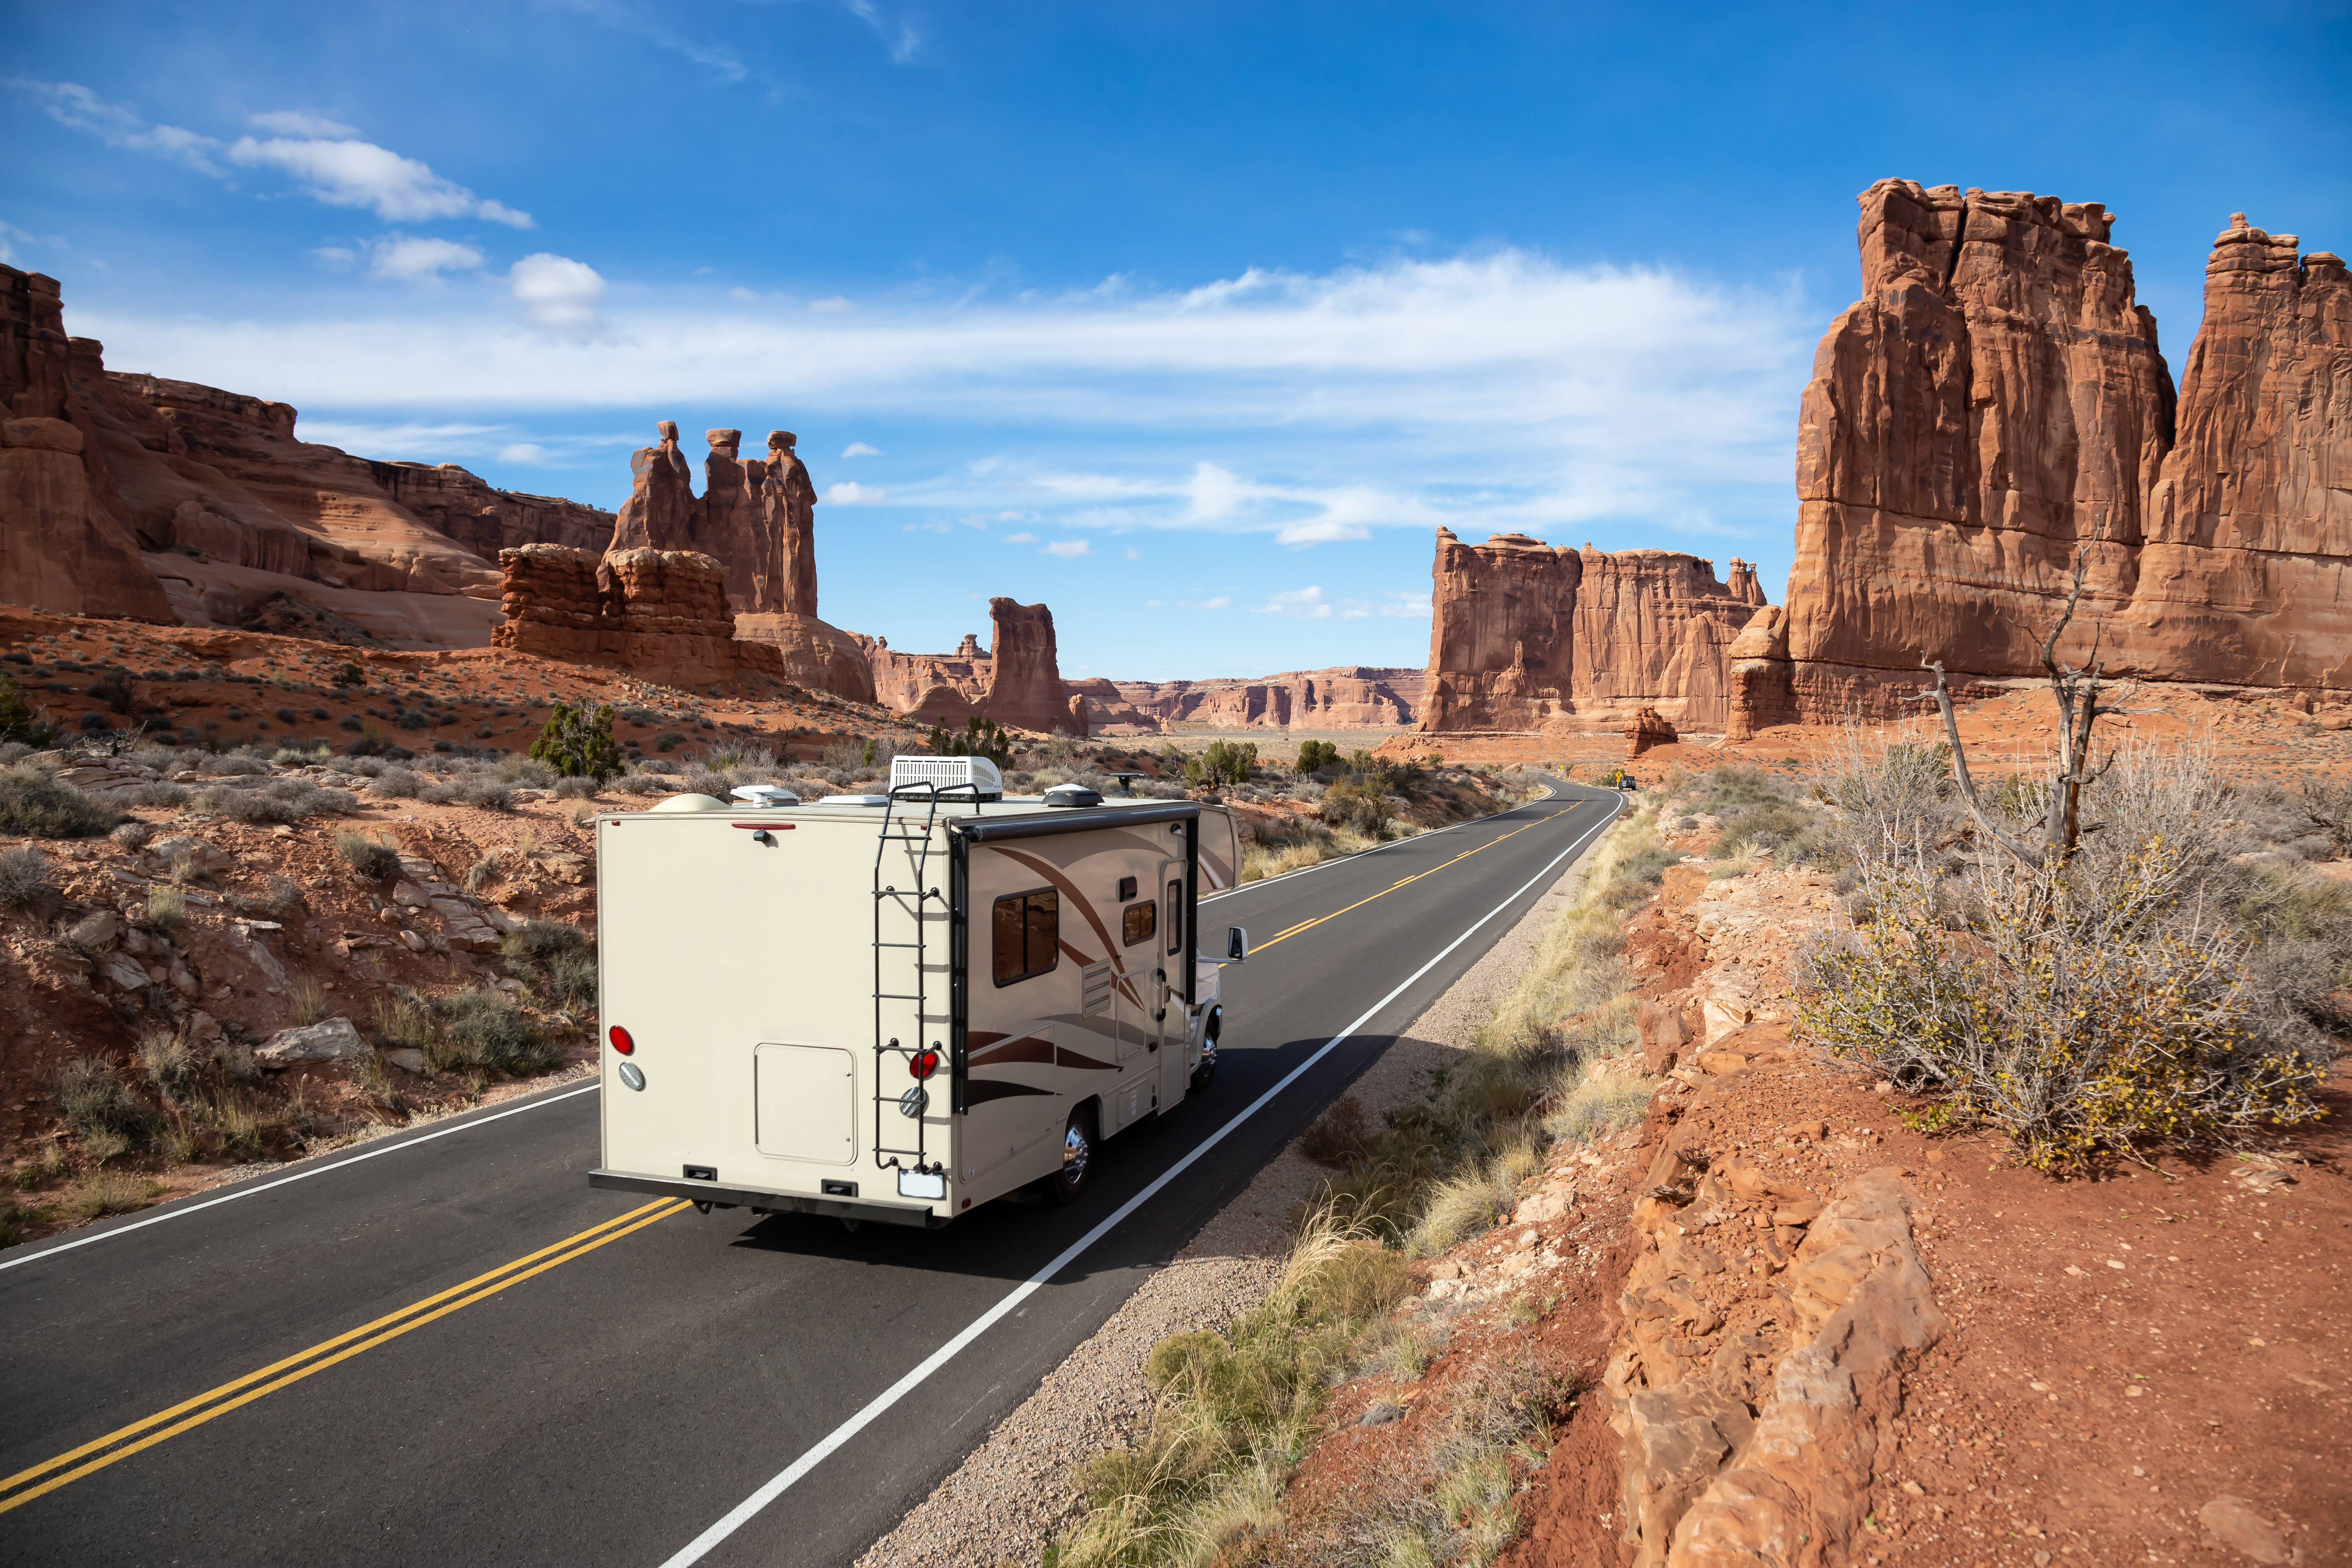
[[764, 794], [956, 778]]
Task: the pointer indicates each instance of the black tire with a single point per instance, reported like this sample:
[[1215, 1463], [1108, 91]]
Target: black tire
[[1203, 1076], [1068, 1184]]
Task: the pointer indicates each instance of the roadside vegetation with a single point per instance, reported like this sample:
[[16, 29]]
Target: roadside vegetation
[[1204, 1483]]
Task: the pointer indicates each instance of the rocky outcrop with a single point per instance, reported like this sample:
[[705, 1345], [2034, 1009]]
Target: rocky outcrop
[[484, 519], [1344, 697], [1996, 402], [756, 517], [1018, 681], [64, 544], [1648, 729], [1526, 636], [662, 614]]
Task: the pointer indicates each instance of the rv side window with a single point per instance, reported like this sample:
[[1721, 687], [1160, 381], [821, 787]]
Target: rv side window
[[1140, 921], [1028, 934], [1175, 915]]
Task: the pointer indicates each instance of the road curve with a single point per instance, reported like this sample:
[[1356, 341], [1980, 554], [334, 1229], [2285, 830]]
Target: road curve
[[446, 1347]]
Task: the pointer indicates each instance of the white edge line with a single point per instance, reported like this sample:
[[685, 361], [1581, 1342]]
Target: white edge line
[[251, 1191], [743, 1512]]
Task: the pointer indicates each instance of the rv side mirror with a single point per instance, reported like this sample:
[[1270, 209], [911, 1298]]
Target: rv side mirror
[[1236, 944]]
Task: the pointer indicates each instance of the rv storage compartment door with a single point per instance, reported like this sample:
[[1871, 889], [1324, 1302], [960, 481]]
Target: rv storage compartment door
[[806, 1099]]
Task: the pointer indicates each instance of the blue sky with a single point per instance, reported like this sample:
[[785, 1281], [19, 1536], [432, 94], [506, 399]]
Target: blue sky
[[1193, 321]]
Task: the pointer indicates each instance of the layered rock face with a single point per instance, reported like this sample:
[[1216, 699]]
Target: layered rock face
[[660, 613], [1996, 400], [485, 521], [1345, 697], [64, 543], [1526, 634]]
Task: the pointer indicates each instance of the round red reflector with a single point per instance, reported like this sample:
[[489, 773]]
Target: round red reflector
[[924, 1064], [621, 1041]]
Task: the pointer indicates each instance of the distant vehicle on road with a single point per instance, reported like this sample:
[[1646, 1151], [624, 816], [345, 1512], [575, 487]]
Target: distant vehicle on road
[[895, 1007], [1620, 779]]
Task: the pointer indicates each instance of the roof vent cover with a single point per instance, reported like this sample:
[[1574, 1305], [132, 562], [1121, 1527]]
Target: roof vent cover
[[949, 773]]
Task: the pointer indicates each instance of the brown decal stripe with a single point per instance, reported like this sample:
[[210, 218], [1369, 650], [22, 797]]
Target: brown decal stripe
[[1026, 1049], [1071, 890], [981, 1091], [1070, 1058]]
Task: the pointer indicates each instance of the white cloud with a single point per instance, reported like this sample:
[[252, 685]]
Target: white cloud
[[1020, 539], [77, 107], [1320, 531], [1299, 604], [436, 443], [835, 306], [298, 122], [1011, 516], [1411, 605], [898, 37], [1068, 549], [860, 450], [1221, 602], [849, 492], [525, 452], [353, 173], [1133, 553], [406, 259], [560, 295]]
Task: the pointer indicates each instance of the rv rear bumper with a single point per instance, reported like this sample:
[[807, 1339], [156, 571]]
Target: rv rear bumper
[[767, 1202]]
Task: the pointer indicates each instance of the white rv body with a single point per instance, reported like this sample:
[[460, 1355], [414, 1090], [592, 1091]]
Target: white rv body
[[779, 972]]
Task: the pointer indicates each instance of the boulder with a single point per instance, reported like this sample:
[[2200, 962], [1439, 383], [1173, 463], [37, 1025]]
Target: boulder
[[332, 1040], [1648, 729], [1024, 677]]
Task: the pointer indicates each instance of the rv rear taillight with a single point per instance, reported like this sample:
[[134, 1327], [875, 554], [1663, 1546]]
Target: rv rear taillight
[[924, 1064], [621, 1041]]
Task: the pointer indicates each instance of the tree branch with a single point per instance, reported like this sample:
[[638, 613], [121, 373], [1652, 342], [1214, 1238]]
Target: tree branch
[[1943, 695]]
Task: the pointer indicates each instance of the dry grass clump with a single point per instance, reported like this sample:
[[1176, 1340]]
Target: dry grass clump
[[371, 859], [557, 961], [26, 878], [476, 1030]]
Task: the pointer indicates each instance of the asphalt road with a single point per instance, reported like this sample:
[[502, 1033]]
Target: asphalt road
[[446, 1348]]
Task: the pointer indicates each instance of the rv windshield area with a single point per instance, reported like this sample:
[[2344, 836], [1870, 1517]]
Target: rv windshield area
[[1027, 935]]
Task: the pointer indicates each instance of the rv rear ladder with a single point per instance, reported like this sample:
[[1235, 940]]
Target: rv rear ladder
[[914, 1103]]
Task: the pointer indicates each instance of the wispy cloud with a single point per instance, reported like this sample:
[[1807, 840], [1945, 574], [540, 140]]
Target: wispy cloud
[[849, 492], [860, 450], [409, 260], [1311, 604], [1020, 539], [898, 37], [1069, 549], [717, 57], [326, 156]]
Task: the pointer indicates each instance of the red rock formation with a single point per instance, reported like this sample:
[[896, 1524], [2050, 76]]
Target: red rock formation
[[662, 512], [784, 566], [1025, 675], [1017, 682], [815, 655], [1648, 729], [64, 544], [1344, 697], [756, 517], [1526, 634], [483, 520], [660, 613], [1996, 400]]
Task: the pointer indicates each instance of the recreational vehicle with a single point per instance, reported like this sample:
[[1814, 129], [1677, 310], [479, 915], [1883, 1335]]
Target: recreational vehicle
[[895, 1006]]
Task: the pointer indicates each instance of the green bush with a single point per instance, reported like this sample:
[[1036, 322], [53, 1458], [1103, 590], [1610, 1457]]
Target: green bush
[[979, 737], [369, 861], [38, 806], [1314, 756], [1224, 763], [483, 1028], [577, 743], [100, 1107], [18, 721], [556, 960], [1355, 808]]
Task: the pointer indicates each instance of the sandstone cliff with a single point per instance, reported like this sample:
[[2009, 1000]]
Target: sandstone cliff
[[1995, 400], [756, 517], [64, 543], [1344, 697], [1018, 681], [1526, 634]]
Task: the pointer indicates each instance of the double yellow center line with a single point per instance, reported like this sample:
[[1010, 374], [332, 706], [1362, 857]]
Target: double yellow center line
[[1288, 932], [189, 1414]]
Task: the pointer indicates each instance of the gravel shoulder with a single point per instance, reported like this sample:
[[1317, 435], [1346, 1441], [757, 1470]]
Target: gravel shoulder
[[1005, 1502]]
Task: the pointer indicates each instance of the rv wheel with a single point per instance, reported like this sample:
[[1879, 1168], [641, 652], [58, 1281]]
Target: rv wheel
[[1069, 1182], [1205, 1074]]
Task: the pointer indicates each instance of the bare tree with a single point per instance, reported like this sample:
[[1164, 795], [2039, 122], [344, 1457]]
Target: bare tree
[[2079, 709]]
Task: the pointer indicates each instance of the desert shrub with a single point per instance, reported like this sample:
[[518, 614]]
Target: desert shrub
[[133, 835], [1763, 826], [577, 786], [484, 1028], [1314, 756], [1354, 808], [400, 783], [166, 907], [979, 737], [2092, 1005], [530, 771], [157, 792], [35, 805], [115, 689], [171, 1063], [19, 723], [281, 800], [1223, 763], [555, 959], [371, 859], [25, 881], [100, 1107], [577, 740], [1340, 1136]]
